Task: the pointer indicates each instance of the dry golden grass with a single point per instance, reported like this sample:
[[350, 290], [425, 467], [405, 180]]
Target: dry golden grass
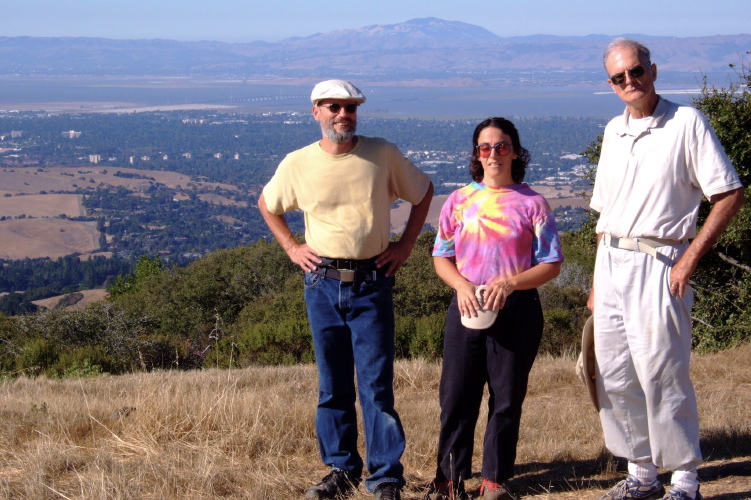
[[249, 433], [216, 199], [33, 180], [89, 297], [42, 205], [34, 238]]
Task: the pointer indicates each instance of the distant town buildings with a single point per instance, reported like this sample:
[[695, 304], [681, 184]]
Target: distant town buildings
[[72, 134], [95, 158]]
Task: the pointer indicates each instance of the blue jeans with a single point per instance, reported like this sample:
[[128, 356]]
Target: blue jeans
[[353, 332]]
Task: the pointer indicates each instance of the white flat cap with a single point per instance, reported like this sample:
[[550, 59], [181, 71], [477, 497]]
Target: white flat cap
[[336, 89]]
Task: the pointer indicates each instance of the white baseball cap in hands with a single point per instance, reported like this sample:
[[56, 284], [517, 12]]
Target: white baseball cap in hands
[[484, 318]]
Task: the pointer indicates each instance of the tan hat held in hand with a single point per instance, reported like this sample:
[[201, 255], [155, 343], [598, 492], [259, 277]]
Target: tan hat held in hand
[[586, 364]]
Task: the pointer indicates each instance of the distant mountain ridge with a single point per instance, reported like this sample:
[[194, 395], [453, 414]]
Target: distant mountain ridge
[[427, 48], [428, 32]]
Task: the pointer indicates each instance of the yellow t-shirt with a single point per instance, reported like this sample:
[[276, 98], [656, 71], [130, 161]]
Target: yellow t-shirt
[[346, 199]]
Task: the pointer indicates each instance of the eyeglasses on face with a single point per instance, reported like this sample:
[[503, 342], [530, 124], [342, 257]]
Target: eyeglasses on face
[[501, 149], [619, 78], [335, 108]]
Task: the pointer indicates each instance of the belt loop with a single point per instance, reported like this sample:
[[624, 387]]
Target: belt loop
[[636, 245]]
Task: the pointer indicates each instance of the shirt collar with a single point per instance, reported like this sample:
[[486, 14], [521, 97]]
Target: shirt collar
[[621, 122]]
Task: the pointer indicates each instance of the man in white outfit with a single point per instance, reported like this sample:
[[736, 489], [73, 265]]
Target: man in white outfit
[[658, 159]]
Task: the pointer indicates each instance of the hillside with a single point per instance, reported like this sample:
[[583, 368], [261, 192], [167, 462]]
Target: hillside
[[42, 215], [247, 433], [84, 298], [33, 238]]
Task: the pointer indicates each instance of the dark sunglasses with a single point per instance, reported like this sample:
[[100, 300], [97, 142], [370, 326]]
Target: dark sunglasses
[[335, 108], [501, 149], [619, 78]]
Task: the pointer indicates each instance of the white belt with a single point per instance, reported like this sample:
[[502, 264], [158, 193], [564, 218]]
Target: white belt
[[645, 245]]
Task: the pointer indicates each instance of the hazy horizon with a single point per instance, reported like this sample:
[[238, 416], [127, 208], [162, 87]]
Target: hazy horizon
[[242, 21], [395, 102]]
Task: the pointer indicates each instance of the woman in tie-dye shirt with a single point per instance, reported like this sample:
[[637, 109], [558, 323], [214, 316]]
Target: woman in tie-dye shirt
[[498, 232]]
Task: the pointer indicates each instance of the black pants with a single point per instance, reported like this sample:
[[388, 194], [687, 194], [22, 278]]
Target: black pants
[[502, 356]]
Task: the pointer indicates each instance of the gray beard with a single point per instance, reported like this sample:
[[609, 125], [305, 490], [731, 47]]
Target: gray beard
[[337, 137]]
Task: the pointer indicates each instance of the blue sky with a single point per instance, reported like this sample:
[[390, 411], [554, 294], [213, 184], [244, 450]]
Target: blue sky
[[274, 20]]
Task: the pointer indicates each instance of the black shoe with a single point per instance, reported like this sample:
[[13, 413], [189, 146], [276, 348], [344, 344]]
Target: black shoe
[[387, 491], [336, 484]]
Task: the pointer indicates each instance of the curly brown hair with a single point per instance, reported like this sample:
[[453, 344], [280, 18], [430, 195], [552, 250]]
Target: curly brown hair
[[518, 166]]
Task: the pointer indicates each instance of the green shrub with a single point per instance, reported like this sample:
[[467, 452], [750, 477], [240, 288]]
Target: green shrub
[[187, 301], [564, 305], [10, 347], [37, 356], [427, 341], [418, 291], [69, 300], [562, 332], [85, 361], [84, 370], [285, 342], [404, 332]]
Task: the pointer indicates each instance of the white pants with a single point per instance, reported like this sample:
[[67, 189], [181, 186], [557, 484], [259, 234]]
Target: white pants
[[643, 347]]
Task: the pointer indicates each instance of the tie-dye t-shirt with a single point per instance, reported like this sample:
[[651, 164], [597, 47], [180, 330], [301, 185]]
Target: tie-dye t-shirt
[[497, 231]]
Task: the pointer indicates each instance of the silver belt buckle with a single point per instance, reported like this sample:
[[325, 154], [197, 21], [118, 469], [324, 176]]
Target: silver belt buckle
[[346, 275]]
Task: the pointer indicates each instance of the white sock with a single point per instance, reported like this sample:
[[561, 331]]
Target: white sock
[[686, 480], [645, 472]]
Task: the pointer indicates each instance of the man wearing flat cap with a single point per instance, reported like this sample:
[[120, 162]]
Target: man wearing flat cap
[[345, 185]]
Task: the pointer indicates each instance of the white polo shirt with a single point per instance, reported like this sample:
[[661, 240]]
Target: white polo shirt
[[650, 182]]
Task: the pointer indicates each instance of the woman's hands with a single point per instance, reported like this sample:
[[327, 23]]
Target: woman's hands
[[494, 297], [466, 299], [498, 291]]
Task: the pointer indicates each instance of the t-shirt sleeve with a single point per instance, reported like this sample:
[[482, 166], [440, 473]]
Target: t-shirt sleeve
[[444, 240], [279, 193], [547, 243], [408, 182]]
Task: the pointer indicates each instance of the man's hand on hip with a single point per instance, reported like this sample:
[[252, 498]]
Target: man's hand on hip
[[303, 256], [394, 256]]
